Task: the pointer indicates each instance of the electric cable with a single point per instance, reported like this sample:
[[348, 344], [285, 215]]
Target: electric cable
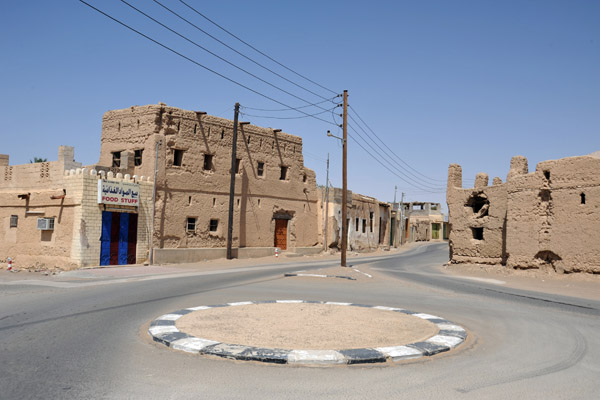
[[236, 51], [194, 61], [254, 48]]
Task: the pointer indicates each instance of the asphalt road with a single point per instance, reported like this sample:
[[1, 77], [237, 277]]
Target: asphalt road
[[87, 340]]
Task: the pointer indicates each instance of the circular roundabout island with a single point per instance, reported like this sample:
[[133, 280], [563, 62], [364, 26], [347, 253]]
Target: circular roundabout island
[[306, 332]]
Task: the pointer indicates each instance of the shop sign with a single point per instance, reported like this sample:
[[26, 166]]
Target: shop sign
[[118, 193]]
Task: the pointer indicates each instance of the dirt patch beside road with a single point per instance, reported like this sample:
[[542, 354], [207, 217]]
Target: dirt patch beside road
[[581, 285]]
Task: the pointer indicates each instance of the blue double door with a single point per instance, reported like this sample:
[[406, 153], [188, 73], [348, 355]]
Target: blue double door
[[119, 238]]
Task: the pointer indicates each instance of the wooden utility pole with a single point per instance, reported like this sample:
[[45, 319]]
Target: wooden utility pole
[[345, 182], [326, 205], [232, 181]]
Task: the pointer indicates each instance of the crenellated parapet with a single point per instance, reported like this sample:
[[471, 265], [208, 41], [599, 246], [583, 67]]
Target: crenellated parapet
[[538, 219]]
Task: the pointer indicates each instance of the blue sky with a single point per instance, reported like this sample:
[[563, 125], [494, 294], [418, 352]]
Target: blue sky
[[440, 82]]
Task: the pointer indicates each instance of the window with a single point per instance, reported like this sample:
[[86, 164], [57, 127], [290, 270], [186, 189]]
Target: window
[[357, 221], [260, 169], [222, 133], [284, 171], [547, 175], [477, 233], [214, 224], [237, 165], [14, 219], [137, 157], [191, 224], [582, 195], [208, 159], [177, 157], [304, 178], [371, 214], [364, 225], [116, 161]]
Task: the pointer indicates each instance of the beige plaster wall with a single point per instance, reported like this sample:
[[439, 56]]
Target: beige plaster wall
[[359, 206], [190, 191], [534, 220], [548, 227]]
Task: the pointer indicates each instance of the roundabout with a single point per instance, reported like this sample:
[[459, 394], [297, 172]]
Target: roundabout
[[306, 332]]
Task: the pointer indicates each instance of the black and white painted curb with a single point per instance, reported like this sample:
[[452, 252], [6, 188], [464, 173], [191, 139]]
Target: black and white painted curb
[[163, 330]]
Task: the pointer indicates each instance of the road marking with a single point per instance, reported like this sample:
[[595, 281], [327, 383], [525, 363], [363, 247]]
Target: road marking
[[485, 280]]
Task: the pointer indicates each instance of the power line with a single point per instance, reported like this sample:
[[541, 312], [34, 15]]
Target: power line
[[194, 61], [292, 108], [387, 151], [269, 117], [402, 175], [401, 160], [210, 52], [233, 49], [254, 48], [386, 167]]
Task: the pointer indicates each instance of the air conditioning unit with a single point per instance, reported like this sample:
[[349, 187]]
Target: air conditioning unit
[[45, 224]]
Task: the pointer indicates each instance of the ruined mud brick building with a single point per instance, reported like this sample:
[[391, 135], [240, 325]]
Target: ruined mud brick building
[[52, 217], [546, 219], [275, 194], [371, 223], [424, 221]]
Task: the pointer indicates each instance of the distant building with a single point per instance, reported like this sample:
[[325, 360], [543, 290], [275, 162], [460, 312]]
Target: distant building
[[424, 222], [545, 219], [371, 223]]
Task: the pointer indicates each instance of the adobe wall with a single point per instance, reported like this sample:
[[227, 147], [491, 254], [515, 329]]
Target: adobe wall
[[481, 209], [544, 220], [190, 191], [43, 175], [82, 187], [73, 203], [553, 216], [359, 208]]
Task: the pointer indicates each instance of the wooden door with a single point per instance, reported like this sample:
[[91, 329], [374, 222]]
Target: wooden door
[[281, 233], [435, 231]]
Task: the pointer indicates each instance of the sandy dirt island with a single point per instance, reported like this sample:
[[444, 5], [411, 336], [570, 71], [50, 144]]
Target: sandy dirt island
[[306, 326]]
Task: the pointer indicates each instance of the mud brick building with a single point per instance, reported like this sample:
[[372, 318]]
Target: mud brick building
[[546, 219], [275, 194], [51, 215]]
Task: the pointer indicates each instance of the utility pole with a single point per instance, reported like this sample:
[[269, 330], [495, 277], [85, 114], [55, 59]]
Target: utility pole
[[326, 205], [402, 239], [345, 182], [154, 203], [232, 181]]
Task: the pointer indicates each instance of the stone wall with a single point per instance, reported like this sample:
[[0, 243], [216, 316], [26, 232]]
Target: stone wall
[[194, 163], [544, 220]]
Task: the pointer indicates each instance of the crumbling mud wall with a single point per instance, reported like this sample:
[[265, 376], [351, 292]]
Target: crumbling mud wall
[[542, 220], [476, 217], [553, 215], [194, 163]]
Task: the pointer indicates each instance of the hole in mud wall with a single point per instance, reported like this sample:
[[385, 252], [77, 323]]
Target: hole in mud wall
[[195, 128], [189, 200], [477, 233], [547, 174], [222, 133], [477, 202], [545, 195], [214, 201], [582, 196], [548, 256]]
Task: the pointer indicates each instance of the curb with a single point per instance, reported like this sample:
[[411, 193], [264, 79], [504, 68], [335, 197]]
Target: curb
[[163, 330]]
